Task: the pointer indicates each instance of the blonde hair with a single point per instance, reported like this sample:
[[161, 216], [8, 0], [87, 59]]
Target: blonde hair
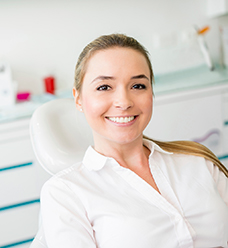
[[121, 40], [190, 148], [102, 43]]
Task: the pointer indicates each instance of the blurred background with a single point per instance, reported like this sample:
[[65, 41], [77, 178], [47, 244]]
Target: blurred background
[[41, 38], [40, 41]]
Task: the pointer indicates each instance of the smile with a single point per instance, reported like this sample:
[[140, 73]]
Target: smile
[[121, 119]]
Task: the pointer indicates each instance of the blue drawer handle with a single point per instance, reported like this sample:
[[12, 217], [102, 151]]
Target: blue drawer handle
[[19, 205], [15, 167], [17, 243]]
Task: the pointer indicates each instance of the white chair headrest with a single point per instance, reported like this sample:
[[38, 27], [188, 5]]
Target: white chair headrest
[[60, 134]]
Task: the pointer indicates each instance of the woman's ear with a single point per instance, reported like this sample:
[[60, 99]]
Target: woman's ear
[[77, 99]]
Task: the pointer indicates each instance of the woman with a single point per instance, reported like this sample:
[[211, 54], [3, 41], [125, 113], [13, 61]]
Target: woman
[[130, 191]]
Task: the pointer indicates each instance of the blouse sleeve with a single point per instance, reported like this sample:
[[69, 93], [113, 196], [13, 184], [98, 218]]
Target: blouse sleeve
[[64, 217], [220, 179]]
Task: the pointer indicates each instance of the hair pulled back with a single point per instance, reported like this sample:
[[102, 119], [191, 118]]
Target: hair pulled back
[[102, 43], [121, 40]]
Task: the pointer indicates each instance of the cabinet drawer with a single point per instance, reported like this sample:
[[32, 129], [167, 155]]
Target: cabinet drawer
[[16, 125], [19, 224], [225, 123], [19, 185], [225, 137], [23, 245], [225, 106], [16, 152], [189, 118]]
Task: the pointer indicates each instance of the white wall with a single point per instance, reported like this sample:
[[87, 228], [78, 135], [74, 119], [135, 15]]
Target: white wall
[[42, 37]]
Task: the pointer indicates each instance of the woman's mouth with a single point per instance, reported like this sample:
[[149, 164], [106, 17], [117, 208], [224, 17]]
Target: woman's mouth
[[121, 119]]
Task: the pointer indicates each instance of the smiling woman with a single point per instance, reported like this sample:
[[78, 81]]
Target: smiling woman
[[116, 99], [131, 191]]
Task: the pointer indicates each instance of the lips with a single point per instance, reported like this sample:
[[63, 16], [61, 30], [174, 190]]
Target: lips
[[122, 119]]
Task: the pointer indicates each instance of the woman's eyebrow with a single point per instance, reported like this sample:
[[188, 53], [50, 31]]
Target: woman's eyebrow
[[140, 76], [103, 78]]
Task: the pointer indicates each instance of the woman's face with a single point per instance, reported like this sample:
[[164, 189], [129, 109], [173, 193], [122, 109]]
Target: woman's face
[[116, 95]]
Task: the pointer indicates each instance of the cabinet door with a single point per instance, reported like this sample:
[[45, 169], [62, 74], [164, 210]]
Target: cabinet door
[[18, 225], [195, 117], [21, 179]]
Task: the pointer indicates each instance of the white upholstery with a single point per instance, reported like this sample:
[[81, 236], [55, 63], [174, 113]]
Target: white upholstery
[[60, 135], [39, 240]]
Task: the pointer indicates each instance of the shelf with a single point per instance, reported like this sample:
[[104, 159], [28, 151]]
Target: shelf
[[182, 81], [191, 79]]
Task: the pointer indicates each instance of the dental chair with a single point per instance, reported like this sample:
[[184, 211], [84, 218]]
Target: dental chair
[[60, 136]]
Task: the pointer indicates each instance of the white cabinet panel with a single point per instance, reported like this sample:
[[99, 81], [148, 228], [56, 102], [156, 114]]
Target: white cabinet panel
[[225, 105], [27, 245], [19, 185], [22, 222], [15, 144], [16, 125], [225, 113], [21, 179], [188, 118], [14, 134], [16, 152], [225, 138]]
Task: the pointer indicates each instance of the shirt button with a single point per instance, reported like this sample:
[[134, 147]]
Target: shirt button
[[177, 218]]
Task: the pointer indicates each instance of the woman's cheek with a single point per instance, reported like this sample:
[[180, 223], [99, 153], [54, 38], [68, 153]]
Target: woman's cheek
[[147, 102], [93, 106]]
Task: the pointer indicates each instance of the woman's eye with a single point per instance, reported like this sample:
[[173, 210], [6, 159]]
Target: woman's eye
[[139, 86], [103, 87]]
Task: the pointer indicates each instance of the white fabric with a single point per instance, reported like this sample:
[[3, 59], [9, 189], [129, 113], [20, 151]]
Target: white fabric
[[98, 203]]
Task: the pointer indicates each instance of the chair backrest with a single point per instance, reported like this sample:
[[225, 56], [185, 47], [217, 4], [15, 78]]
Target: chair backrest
[[60, 134]]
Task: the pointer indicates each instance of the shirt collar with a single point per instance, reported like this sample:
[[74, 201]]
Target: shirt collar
[[96, 161], [154, 147]]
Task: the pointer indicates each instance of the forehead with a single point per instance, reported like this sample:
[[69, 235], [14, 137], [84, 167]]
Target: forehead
[[116, 58]]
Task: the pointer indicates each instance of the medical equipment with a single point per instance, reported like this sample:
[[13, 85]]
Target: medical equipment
[[60, 136]]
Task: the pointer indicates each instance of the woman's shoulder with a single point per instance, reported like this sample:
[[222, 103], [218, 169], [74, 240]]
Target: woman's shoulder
[[65, 175], [192, 149]]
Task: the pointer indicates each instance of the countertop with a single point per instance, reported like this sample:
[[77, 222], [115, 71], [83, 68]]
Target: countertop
[[191, 79]]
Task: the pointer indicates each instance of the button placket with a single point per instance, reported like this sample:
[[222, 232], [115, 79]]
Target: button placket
[[154, 198]]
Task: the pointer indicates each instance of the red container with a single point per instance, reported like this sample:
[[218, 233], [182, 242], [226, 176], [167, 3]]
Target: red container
[[49, 85]]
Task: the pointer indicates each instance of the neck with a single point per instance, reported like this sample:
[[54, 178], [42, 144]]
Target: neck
[[131, 155]]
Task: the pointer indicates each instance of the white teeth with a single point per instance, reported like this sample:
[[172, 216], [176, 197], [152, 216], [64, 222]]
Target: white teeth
[[121, 119]]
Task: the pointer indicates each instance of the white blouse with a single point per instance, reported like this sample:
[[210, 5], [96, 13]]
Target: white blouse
[[98, 203]]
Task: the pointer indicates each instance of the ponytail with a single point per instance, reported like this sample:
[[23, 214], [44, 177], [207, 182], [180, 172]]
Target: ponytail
[[191, 148]]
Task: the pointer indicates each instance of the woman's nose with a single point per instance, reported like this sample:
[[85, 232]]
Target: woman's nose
[[123, 100]]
